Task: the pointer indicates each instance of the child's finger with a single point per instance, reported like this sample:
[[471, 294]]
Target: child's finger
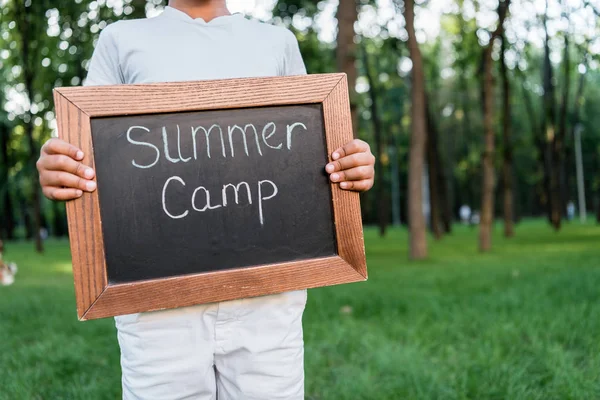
[[61, 194], [58, 146], [351, 161], [61, 162], [66, 180], [357, 186], [354, 146], [353, 174]]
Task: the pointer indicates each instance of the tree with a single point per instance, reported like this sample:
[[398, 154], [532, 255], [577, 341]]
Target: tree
[[379, 144], [539, 140], [347, 14], [436, 195], [488, 181], [439, 195], [29, 29], [558, 144], [418, 140], [507, 169], [549, 131], [466, 154], [7, 222]]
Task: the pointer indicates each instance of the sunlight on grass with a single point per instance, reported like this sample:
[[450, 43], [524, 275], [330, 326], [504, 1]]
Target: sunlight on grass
[[66, 268]]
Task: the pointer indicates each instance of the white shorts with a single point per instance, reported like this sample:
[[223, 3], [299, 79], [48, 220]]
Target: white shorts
[[241, 349]]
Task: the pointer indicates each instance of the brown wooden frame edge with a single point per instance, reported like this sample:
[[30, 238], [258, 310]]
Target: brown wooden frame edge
[[83, 214], [97, 298]]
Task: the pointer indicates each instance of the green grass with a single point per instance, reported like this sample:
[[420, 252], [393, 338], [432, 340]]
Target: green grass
[[522, 322]]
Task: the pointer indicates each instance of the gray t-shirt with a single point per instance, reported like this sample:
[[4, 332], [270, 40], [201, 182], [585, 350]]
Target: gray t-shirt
[[175, 47]]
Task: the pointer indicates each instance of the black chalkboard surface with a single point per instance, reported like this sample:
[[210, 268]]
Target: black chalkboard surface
[[191, 192]]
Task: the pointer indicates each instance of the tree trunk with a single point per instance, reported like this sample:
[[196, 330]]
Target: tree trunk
[[35, 198], [347, 14], [418, 139], [488, 184], [434, 166], [59, 225], [438, 182], [560, 138], [28, 74], [569, 161], [7, 230], [382, 204], [446, 197], [598, 208], [396, 200], [598, 192], [540, 143], [549, 120], [507, 173], [576, 116], [468, 196], [26, 212]]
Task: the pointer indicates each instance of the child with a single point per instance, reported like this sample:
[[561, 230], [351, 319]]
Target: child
[[241, 349]]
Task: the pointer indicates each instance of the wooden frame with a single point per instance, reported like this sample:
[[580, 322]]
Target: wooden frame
[[97, 298]]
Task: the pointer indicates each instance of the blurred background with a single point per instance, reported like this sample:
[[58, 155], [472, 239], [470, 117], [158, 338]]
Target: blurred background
[[481, 231]]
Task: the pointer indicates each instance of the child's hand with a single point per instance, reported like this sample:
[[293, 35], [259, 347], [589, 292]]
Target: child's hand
[[352, 166], [62, 175]]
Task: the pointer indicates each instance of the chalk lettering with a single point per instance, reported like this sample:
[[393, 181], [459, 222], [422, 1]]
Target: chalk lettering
[[166, 145], [265, 137], [236, 189], [179, 146], [207, 206], [164, 192], [207, 134], [261, 199], [268, 132], [137, 142], [232, 129], [290, 129]]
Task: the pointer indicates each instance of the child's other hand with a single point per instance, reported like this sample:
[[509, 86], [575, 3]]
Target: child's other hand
[[62, 175], [353, 166]]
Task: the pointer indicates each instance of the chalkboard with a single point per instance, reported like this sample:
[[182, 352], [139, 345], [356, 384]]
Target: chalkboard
[[209, 191], [174, 203]]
